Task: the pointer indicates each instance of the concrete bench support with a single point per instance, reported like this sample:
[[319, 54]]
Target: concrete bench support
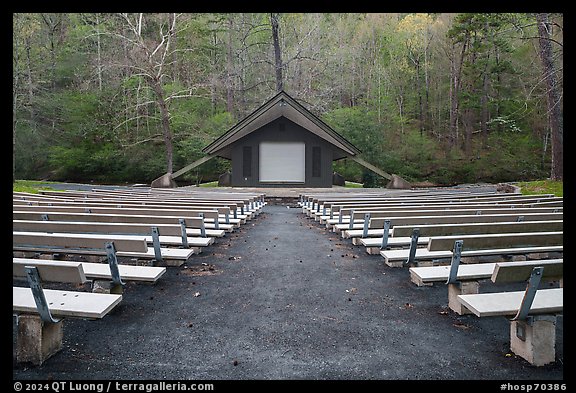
[[37, 340], [461, 288], [535, 341]]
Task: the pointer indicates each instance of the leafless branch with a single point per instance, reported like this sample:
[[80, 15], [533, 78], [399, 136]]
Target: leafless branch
[[154, 137], [134, 118]]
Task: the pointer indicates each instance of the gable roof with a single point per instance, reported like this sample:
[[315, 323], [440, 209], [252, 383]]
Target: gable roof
[[281, 105]]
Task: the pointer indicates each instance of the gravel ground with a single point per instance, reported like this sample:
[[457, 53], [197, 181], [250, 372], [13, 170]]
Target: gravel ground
[[283, 299]]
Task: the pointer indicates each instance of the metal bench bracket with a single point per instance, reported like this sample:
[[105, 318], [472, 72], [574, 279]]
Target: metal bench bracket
[[184, 235], [366, 222], [529, 294], [156, 243], [385, 235], [38, 293], [455, 263], [113, 263], [413, 246], [351, 225], [202, 226]]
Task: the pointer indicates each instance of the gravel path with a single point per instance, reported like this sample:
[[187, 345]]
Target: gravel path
[[284, 299]]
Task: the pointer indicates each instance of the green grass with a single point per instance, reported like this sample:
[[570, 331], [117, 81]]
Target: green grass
[[31, 186], [209, 184], [542, 187], [350, 184]]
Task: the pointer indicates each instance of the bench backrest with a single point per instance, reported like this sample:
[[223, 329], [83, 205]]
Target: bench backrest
[[144, 210], [427, 211], [54, 271], [505, 272], [505, 240], [366, 207], [478, 228], [143, 206], [336, 203], [32, 240], [191, 222], [93, 227], [378, 223]]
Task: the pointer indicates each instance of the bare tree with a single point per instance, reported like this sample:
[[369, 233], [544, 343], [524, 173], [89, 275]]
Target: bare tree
[[553, 95], [149, 57], [277, 50]]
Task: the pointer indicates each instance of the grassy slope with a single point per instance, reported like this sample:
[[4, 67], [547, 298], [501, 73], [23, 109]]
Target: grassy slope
[[542, 187], [532, 187]]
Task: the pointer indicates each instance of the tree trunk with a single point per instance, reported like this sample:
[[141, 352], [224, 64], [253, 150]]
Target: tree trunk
[[468, 120], [419, 90], [484, 106], [15, 86], [98, 53], [553, 96], [277, 51], [166, 132], [31, 103], [229, 91], [456, 73], [453, 100]]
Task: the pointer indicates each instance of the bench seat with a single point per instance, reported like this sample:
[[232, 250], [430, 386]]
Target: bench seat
[[165, 240], [546, 301], [371, 242], [423, 275], [392, 257], [98, 270], [66, 303], [136, 247]]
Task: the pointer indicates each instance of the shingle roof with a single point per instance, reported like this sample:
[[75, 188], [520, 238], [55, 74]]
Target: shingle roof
[[281, 105]]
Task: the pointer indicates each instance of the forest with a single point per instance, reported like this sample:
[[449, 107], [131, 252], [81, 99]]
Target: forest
[[437, 98]]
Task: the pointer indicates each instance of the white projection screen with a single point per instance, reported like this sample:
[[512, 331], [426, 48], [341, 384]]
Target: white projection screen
[[282, 162]]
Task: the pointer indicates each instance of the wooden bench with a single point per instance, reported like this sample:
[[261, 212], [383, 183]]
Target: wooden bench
[[246, 199], [315, 202], [358, 218], [478, 247], [401, 234], [465, 279], [226, 213], [376, 225], [334, 207], [95, 271], [478, 228], [247, 205], [84, 244], [533, 311], [374, 245], [167, 235], [197, 223], [40, 312], [428, 275], [112, 228], [209, 215], [342, 212]]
